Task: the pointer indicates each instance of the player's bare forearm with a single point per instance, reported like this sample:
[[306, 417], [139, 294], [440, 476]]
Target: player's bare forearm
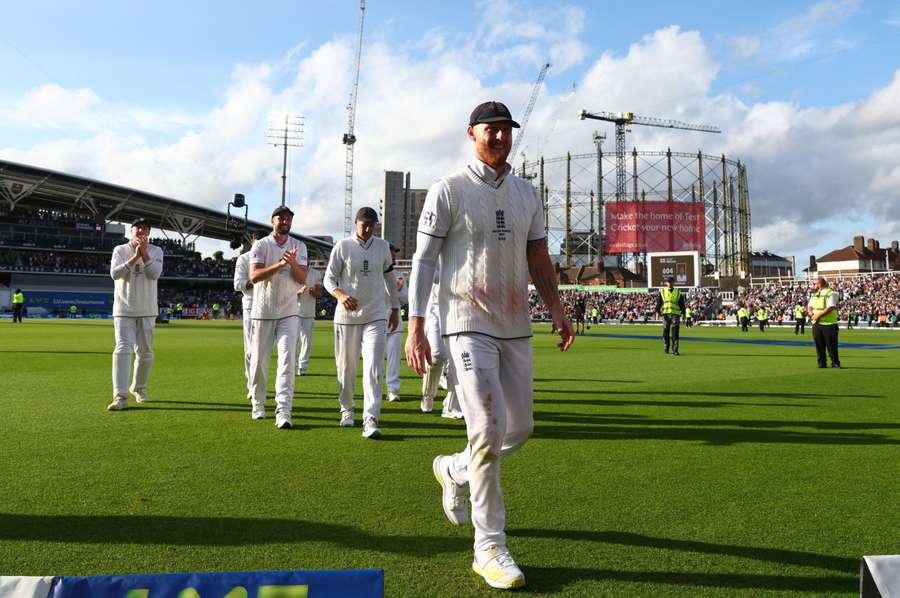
[[544, 278], [542, 273], [261, 273], [298, 272]]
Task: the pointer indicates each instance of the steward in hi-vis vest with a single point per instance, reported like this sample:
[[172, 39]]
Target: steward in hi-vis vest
[[762, 316], [823, 313], [670, 304], [743, 316], [800, 319]]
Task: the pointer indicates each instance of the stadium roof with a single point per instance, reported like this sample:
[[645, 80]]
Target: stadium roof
[[39, 187]]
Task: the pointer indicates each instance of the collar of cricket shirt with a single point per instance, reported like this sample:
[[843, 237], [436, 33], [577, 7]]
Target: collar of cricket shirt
[[363, 244], [487, 174]]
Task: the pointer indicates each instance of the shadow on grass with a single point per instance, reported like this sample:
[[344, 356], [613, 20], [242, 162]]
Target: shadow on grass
[[215, 531], [741, 395], [597, 380], [554, 580], [771, 555], [699, 404], [56, 352], [654, 430]]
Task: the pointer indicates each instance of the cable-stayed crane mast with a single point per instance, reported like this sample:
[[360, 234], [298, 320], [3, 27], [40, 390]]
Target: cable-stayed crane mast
[[534, 94], [349, 137], [625, 119]]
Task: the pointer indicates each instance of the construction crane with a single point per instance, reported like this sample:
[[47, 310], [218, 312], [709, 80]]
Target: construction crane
[[534, 94], [625, 119], [349, 137]]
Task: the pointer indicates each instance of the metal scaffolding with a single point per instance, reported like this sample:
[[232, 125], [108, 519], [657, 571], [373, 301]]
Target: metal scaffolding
[[575, 189]]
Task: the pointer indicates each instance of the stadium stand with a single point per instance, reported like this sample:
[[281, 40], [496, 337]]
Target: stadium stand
[[57, 232]]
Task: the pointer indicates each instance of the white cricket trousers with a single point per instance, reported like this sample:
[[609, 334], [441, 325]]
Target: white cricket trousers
[[494, 381], [349, 341], [248, 345], [304, 341], [392, 347], [133, 336], [440, 357], [266, 334]]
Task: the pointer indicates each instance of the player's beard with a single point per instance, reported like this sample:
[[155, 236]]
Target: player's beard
[[284, 229]]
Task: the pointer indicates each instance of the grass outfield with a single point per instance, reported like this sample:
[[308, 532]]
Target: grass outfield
[[734, 469]]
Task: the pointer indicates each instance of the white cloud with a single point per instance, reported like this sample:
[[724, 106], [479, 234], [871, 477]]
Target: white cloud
[[810, 32], [744, 46], [807, 165]]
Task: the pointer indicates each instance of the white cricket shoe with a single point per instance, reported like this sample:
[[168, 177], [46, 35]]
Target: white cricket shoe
[[451, 414], [393, 396], [118, 404], [498, 568], [455, 497], [427, 404], [301, 371], [283, 422], [258, 411], [370, 428], [346, 419], [140, 396]]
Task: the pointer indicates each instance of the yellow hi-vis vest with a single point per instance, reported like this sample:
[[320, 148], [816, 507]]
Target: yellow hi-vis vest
[[819, 302], [19, 298], [762, 315], [799, 312], [670, 301], [743, 313]]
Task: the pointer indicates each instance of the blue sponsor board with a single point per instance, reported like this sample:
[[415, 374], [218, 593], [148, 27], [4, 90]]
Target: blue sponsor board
[[363, 583], [61, 300]]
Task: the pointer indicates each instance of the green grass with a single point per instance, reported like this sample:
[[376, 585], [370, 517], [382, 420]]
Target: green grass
[[731, 470]]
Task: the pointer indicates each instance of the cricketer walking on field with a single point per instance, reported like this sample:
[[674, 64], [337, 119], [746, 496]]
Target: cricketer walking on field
[[278, 266], [243, 285], [392, 347], [306, 306], [135, 269], [360, 274], [487, 228]]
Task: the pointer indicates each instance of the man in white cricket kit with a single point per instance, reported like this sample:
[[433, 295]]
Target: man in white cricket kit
[[392, 348], [306, 306], [440, 359], [487, 227], [360, 272], [277, 270], [245, 287], [135, 269]]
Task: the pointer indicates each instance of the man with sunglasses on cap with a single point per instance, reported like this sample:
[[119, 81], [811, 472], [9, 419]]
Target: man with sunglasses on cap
[[486, 226], [135, 269], [278, 266], [360, 274]]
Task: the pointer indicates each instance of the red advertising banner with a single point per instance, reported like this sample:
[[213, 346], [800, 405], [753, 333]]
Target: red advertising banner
[[651, 226]]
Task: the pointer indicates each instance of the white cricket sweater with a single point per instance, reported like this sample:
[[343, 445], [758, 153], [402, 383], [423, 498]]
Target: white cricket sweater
[[485, 221], [275, 297], [135, 285], [364, 270], [306, 303], [241, 278]]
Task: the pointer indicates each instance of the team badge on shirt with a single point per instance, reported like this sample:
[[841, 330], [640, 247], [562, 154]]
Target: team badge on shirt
[[501, 230], [428, 219], [365, 268]]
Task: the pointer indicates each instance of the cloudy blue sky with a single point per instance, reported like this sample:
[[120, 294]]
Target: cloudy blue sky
[[173, 97]]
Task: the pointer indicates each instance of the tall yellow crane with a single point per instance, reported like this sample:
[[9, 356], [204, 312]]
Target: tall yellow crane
[[527, 114]]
